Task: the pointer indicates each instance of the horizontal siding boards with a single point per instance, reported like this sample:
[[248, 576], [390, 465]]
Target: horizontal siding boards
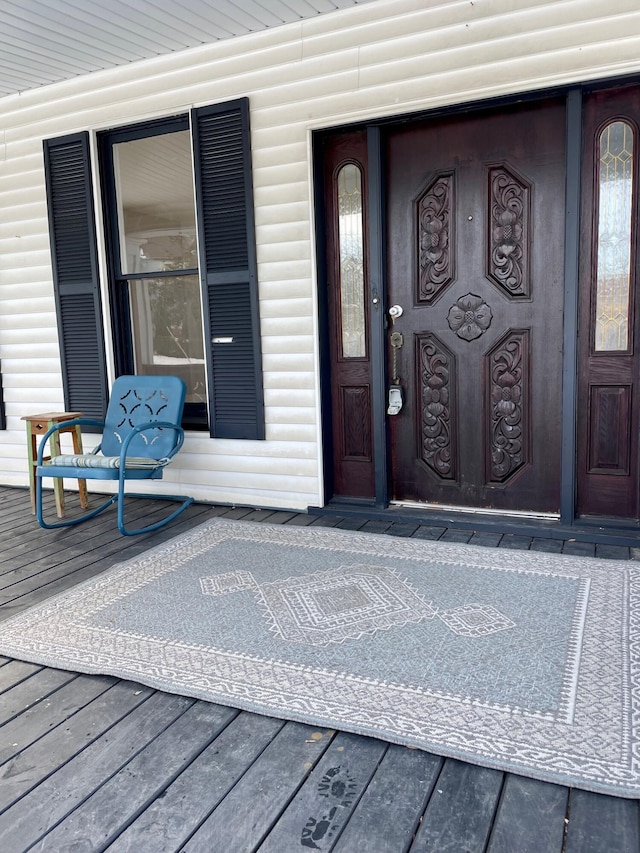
[[75, 274], [3, 419], [385, 58], [224, 198]]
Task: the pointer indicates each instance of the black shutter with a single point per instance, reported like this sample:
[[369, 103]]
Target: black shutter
[[224, 199], [72, 233]]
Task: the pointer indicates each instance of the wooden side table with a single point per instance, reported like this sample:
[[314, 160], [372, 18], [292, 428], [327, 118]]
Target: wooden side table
[[38, 425]]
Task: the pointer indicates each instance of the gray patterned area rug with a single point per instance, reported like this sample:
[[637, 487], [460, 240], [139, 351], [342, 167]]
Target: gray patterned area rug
[[521, 661]]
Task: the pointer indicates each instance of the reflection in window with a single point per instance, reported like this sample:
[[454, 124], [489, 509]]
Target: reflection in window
[[156, 211], [350, 232], [167, 329], [615, 188]]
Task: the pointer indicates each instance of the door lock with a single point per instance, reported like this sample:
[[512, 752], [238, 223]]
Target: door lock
[[395, 400]]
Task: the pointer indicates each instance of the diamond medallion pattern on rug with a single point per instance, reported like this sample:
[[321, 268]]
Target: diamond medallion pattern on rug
[[348, 602], [340, 604]]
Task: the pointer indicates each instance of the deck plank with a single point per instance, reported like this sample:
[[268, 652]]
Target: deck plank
[[116, 803], [461, 810], [388, 814], [15, 672], [43, 717], [33, 816], [602, 824], [324, 804], [531, 817], [41, 685], [249, 809], [30, 767]]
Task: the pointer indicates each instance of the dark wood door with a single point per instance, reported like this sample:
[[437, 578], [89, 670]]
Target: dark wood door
[[475, 248], [608, 415], [348, 300]]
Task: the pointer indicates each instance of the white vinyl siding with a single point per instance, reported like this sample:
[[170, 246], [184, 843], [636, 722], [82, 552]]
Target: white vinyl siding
[[380, 59]]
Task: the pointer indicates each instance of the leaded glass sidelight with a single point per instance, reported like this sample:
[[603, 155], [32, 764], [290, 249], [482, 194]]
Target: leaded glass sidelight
[[350, 238], [615, 198]]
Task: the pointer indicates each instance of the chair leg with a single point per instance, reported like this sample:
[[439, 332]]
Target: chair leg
[[184, 502], [69, 522]]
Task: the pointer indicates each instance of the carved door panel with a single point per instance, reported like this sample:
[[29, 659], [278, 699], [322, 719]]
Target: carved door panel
[[608, 416], [348, 300], [475, 239]]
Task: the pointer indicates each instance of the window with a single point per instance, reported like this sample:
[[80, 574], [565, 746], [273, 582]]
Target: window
[[183, 298], [350, 231], [615, 199], [149, 194]]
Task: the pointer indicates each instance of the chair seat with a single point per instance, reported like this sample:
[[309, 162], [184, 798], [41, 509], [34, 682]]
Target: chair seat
[[95, 460]]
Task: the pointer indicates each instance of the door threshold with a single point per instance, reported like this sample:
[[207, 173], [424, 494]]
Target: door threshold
[[502, 513]]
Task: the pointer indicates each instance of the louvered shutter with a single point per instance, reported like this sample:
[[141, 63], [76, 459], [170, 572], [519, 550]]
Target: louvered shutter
[[72, 235], [224, 198]]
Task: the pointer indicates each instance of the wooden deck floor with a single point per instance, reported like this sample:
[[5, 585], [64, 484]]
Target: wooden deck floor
[[94, 763]]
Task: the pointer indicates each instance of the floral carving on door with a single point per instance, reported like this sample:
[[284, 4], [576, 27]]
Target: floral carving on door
[[508, 418]]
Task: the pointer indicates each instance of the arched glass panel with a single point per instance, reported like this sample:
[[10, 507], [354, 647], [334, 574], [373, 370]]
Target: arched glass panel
[[350, 238], [615, 197]]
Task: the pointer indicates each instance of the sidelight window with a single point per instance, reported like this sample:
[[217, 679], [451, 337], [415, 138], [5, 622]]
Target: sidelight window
[[614, 235], [351, 242]]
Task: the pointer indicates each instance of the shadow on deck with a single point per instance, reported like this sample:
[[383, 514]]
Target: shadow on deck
[[92, 763]]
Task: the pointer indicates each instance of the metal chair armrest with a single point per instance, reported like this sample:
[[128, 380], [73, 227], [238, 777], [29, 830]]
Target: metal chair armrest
[[65, 426]]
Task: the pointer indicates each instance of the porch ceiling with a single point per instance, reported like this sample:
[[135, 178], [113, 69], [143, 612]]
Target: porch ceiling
[[47, 41]]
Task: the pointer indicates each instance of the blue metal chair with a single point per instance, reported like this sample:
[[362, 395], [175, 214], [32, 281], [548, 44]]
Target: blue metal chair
[[141, 433]]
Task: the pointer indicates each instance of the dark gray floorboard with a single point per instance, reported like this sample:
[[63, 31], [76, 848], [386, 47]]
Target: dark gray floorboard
[[402, 530], [31, 766], [100, 818], [488, 540], [460, 812], [579, 549], [43, 717], [174, 817], [249, 809], [375, 526], [548, 546], [15, 672], [328, 797], [426, 531], [531, 817], [453, 535], [31, 817], [29, 692], [600, 824], [612, 552], [352, 523], [518, 543], [387, 816]]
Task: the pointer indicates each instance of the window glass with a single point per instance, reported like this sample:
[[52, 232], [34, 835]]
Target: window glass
[[615, 197], [155, 203], [350, 238], [155, 212], [167, 330]]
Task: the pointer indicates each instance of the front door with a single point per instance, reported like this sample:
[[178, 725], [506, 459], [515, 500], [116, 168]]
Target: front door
[[475, 253]]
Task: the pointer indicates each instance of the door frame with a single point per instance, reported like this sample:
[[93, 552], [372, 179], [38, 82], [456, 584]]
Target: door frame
[[378, 307]]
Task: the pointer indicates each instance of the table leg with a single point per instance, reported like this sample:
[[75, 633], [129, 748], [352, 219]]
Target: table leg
[[58, 482], [82, 483]]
